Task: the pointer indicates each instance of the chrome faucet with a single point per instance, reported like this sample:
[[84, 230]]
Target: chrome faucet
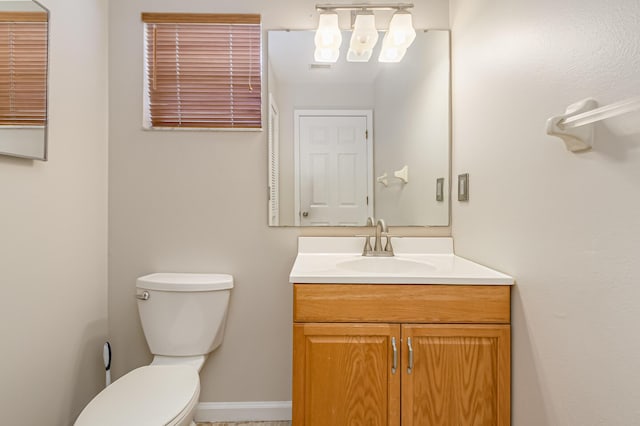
[[367, 238], [380, 230]]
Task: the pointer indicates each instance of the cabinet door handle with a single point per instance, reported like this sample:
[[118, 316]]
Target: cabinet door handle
[[394, 365], [410, 367]]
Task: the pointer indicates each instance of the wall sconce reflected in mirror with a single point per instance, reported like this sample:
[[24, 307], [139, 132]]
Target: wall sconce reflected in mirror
[[365, 34]]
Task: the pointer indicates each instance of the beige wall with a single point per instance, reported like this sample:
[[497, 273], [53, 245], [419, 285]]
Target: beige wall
[[53, 235], [197, 201], [565, 225]]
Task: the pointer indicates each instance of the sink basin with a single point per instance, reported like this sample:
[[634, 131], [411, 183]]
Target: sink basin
[[385, 265]]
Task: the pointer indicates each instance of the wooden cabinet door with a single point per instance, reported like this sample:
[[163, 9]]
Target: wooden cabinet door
[[342, 375], [460, 375]]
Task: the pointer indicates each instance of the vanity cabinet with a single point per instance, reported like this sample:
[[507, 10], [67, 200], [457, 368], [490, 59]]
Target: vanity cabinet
[[410, 355]]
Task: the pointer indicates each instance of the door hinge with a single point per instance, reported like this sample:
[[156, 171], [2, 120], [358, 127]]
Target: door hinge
[[366, 134], [367, 200]]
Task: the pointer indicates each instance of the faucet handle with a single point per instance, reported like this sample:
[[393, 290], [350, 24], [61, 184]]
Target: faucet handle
[[388, 247], [367, 243]]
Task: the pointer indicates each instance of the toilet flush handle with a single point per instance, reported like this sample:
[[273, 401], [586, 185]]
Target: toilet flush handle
[[144, 296]]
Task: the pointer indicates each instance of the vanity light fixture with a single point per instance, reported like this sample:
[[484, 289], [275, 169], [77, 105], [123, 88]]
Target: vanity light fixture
[[328, 38], [365, 35], [399, 37]]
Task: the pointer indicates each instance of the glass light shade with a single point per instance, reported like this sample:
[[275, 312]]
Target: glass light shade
[[362, 56], [391, 53], [328, 34], [401, 32], [326, 54], [363, 38]]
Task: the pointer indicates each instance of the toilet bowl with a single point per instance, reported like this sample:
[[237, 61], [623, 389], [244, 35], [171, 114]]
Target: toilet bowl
[[183, 318], [143, 397]]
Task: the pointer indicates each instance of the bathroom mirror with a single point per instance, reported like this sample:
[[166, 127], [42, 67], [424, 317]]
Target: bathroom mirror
[[349, 140], [23, 79]]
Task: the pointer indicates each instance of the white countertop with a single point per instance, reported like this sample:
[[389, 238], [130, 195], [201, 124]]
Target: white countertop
[[417, 260]]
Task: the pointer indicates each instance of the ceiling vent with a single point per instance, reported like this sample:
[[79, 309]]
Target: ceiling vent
[[320, 66]]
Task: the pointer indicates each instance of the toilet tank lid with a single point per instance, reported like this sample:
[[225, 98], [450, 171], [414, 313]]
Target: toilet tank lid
[[171, 281]]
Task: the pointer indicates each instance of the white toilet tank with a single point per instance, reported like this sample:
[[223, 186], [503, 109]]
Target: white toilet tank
[[183, 314]]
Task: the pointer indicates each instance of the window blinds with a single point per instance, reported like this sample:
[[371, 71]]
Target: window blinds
[[203, 71], [23, 68]]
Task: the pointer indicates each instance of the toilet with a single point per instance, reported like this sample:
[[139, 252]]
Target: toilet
[[183, 317]]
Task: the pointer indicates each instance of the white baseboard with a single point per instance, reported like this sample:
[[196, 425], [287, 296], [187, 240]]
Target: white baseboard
[[243, 411]]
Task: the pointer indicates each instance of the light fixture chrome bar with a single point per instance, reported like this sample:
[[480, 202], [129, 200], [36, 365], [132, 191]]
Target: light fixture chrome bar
[[366, 6]]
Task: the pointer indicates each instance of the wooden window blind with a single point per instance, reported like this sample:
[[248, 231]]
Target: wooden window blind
[[203, 71], [23, 68]]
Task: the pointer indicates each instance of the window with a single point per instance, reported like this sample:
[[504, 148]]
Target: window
[[203, 71], [23, 68]]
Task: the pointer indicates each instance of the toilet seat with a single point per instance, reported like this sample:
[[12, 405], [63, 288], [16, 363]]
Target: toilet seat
[[151, 395]]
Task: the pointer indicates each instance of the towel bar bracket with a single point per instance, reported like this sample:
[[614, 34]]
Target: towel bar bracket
[[577, 138], [575, 126]]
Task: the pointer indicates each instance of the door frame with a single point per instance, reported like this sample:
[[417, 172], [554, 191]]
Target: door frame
[[299, 113]]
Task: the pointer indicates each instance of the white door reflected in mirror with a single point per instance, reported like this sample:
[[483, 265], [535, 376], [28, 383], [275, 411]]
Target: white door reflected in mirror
[[334, 166]]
